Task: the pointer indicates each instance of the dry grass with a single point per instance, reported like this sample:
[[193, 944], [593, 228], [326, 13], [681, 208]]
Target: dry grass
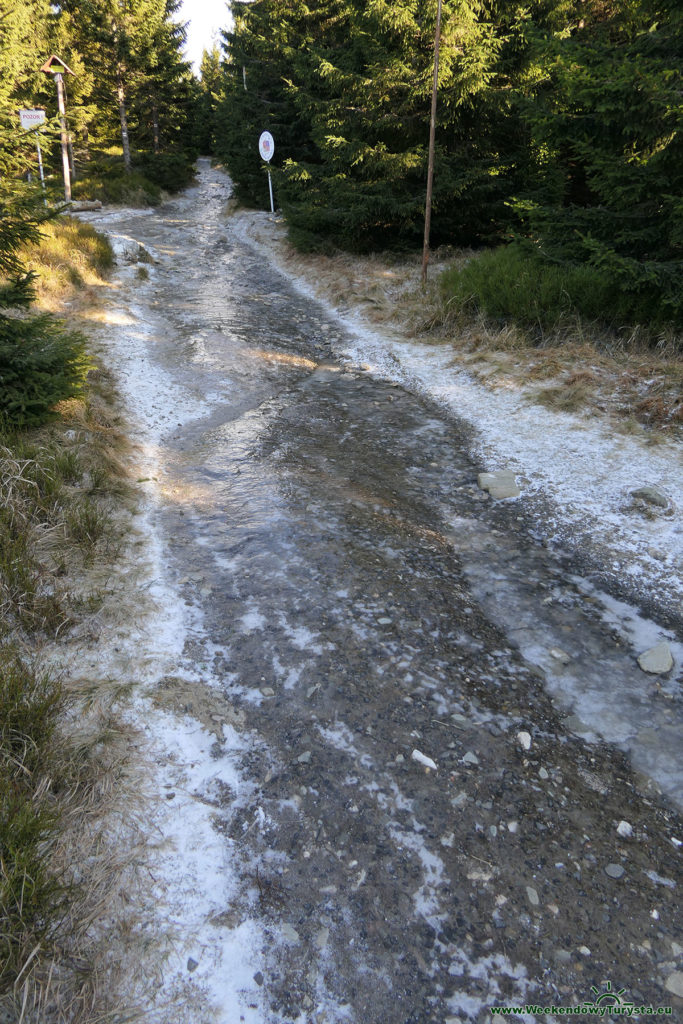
[[63, 519], [583, 368], [75, 776], [68, 975], [71, 262]]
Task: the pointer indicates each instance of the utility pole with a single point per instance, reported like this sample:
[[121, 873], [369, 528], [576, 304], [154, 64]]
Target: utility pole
[[57, 68], [432, 135]]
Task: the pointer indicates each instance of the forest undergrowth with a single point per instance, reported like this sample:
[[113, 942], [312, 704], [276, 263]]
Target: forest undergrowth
[[632, 376]]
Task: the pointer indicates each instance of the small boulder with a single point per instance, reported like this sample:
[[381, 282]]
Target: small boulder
[[524, 740], [657, 660], [674, 983], [651, 496]]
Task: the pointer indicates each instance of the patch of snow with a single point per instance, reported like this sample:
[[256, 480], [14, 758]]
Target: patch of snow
[[195, 868], [340, 737], [252, 620]]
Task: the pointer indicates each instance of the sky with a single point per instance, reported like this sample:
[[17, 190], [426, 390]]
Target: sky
[[206, 18]]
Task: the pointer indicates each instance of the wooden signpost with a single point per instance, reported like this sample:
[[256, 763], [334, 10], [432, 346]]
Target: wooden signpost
[[57, 68]]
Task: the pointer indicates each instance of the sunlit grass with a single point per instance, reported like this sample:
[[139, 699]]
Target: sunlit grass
[[70, 257]]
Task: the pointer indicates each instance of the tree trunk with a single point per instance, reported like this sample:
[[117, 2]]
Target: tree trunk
[[121, 95]]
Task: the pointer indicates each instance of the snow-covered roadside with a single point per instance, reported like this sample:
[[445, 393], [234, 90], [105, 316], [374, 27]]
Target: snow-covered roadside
[[201, 969], [577, 471]]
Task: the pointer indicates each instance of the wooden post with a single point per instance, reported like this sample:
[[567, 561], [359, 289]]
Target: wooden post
[[72, 162], [56, 67], [432, 135], [65, 139]]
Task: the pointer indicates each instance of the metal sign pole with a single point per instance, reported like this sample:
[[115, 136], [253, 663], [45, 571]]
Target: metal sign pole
[[30, 119], [266, 147], [42, 176], [270, 186]]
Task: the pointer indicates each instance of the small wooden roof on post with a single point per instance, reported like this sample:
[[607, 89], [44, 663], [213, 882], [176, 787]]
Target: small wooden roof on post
[[56, 66]]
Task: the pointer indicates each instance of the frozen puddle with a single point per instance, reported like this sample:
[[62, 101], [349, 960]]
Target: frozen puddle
[[587, 644]]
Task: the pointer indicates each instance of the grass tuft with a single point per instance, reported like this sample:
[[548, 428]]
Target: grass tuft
[[70, 256], [31, 897]]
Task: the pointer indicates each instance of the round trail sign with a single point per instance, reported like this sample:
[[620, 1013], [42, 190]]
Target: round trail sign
[[266, 146]]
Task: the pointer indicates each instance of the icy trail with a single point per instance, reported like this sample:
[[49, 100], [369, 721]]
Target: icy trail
[[332, 592]]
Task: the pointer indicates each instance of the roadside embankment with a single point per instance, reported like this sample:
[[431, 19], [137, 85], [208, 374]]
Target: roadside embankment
[[67, 779]]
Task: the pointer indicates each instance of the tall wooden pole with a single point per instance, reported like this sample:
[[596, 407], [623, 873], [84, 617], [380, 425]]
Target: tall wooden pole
[[432, 135], [65, 138]]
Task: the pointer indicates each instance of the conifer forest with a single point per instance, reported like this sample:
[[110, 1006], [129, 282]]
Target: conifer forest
[[558, 131]]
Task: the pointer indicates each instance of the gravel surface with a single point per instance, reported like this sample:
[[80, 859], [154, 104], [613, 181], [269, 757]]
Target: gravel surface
[[423, 817]]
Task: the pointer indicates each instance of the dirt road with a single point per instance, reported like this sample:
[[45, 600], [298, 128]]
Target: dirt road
[[430, 821]]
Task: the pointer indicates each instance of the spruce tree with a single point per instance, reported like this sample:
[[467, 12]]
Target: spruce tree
[[607, 126], [142, 85], [207, 98], [348, 85], [257, 92]]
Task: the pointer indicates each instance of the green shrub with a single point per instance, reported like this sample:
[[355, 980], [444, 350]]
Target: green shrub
[[169, 171], [41, 364], [111, 184], [515, 283], [105, 178]]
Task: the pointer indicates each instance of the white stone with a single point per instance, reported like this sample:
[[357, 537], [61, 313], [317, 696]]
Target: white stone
[[524, 739], [421, 758], [560, 655], [289, 933], [625, 829], [532, 896], [674, 983], [657, 660], [470, 758]]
